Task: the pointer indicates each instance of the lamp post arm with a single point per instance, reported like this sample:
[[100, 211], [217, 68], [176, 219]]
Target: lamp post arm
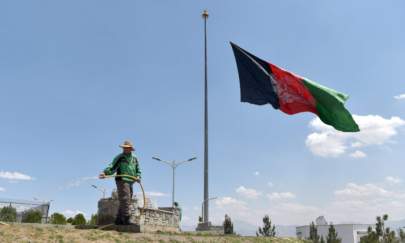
[[164, 161], [182, 162]]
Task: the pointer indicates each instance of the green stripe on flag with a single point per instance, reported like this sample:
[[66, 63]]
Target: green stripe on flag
[[330, 106]]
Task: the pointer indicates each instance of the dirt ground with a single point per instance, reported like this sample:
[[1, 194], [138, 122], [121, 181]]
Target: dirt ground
[[17, 233]]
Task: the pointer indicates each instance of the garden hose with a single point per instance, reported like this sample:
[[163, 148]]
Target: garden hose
[[136, 179]]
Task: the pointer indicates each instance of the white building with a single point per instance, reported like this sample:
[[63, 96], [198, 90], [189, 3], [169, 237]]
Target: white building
[[349, 233]]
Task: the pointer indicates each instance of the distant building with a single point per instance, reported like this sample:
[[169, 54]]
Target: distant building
[[349, 233]]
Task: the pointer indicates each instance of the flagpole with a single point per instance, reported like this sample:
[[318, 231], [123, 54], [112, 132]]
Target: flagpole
[[205, 216]]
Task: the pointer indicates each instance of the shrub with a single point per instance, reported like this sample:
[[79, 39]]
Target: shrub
[[57, 218], [79, 219], [32, 216], [8, 214]]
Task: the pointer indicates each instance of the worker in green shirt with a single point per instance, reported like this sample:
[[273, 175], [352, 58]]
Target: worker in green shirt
[[126, 167]]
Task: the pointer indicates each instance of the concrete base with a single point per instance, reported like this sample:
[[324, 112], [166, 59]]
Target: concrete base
[[208, 227]]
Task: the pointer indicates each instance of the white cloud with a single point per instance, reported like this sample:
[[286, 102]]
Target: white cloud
[[270, 184], [156, 194], [366, 191], [358, 154], [248, 192], [356, 145], [281, 195], [362, 202], [2, 189], [280, 211], [325, 144], [230, 202], [400, 97], [77, 182], [374, 130], [72, 213], [393, 180], [256, 173], [15, 176], [350, 203]]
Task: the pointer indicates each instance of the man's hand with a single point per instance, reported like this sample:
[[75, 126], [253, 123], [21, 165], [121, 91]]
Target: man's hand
[[102, 176]]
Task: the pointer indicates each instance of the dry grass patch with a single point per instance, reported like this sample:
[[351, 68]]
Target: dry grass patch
[[17, 233]]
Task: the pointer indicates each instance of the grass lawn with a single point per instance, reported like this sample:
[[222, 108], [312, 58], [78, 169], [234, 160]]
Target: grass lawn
[[16, 233]]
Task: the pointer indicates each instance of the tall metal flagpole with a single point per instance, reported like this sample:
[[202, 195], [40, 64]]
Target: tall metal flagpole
[[206, 201]]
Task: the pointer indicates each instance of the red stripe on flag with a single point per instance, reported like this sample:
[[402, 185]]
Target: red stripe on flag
[[293, 96]]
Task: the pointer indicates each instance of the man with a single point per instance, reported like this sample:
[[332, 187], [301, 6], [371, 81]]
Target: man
[[127, 168]]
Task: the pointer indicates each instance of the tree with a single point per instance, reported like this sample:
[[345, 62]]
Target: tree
[[79, 219], [32, 216], [401, 236], [8, 214], [93, 219], [381, 234], [228, 225], [332, 235], [69, 220], [322, 239], [313, 233], [267, 230], [57, 218], [371, 236]]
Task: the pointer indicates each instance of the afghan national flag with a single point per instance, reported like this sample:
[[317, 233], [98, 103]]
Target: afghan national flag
[[262, 83]]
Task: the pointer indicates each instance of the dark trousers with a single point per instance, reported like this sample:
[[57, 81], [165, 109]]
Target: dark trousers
[[124, 190]]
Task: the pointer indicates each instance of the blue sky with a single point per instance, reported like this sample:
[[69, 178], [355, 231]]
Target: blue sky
[[79, 77]]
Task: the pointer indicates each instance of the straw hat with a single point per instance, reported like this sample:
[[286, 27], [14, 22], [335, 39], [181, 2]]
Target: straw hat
[[127, 144]]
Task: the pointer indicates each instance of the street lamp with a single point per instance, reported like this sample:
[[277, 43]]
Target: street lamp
[[202, 204], [173, 164], [101, 189]]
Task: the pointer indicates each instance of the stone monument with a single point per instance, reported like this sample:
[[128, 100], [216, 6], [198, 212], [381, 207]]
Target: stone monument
[[166, 219]]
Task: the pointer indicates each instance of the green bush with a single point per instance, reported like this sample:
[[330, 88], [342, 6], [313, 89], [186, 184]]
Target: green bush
[[69, 220], [32, 216], [8, 214], [79, 219], [57, 218]]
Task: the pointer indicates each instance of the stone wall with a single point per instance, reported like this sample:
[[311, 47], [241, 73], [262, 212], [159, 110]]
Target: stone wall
[[150, 220]]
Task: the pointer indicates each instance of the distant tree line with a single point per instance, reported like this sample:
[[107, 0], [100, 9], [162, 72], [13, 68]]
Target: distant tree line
[[78, 219], [9, 214]]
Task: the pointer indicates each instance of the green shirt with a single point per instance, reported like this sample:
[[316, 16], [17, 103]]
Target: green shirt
[[124, 164]]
